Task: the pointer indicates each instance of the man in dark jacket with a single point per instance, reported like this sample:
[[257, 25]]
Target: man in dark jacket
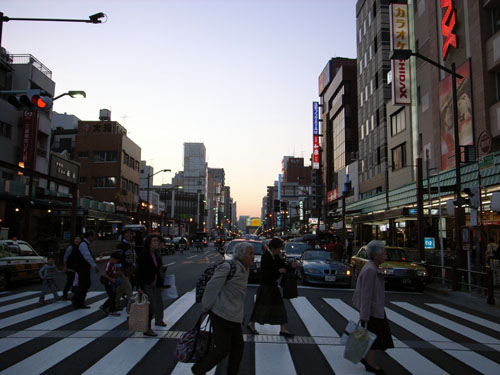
[[83, 263]]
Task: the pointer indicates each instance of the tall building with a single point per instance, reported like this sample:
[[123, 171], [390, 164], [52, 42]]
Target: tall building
[[294, 171], [373, 64], [195, 168], [110, 162]]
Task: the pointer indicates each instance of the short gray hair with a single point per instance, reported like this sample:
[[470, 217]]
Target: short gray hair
[[240, 250], [373, 248]]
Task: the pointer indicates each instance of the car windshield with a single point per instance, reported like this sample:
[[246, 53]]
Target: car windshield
[[296, 248], [26, 249], [258, 248], [319, 255], [396, 255]]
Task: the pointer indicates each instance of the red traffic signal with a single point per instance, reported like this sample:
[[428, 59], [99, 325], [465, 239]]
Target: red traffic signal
[[32, 100]]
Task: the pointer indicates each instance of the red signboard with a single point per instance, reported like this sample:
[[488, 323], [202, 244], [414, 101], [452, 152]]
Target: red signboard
[[29, 138], [332, 195], [315, 151], [447, 26]]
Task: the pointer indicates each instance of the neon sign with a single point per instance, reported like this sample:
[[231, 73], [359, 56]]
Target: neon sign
[[447, 26]]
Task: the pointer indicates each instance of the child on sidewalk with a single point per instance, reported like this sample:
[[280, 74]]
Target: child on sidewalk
[[110, 281], [47, 273]]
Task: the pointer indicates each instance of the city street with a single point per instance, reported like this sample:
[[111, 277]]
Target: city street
[[431, 336]]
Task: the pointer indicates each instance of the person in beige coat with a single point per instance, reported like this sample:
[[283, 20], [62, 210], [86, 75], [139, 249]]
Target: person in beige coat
[[224, 300], [369, 299]]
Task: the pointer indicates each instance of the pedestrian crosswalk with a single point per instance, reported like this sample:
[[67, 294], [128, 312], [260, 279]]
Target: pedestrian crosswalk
[[430, 338]]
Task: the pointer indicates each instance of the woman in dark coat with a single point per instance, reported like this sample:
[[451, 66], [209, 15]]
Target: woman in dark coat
[[150, 280], [269, 307]]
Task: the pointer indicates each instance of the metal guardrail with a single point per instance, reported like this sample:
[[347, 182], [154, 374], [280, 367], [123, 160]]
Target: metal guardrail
[[30, 59], [457, 279]]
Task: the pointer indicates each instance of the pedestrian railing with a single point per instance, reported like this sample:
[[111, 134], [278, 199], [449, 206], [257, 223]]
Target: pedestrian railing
[[465, 280]]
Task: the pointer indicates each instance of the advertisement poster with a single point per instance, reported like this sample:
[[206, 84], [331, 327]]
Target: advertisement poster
[[464, 104]]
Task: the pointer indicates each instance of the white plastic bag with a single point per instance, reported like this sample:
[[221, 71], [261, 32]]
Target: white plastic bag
[[169, 288], [349, 328], [358, 344]]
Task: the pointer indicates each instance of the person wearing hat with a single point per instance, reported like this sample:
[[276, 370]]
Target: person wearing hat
[[127, 266]]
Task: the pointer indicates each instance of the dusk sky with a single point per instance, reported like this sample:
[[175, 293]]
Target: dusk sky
[[238, 75]]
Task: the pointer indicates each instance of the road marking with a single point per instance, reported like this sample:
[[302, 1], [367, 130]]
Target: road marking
[[170, 264], [126, 355], [41, 329], [14, 319], [27, 302], [452, 326], [50, 356], [462, 353], [463, 315], [192, 256], [16, 296], [410, 359]]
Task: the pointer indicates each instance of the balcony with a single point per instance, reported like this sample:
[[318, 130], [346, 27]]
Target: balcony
[[32, 60]]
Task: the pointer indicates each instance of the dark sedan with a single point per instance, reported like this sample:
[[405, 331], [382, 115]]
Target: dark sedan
[[258, 246], [321, 267]]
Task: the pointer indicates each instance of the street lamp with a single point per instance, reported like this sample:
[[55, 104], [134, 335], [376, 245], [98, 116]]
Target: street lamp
[[147, 199], [95, 18], [74, 94], [405, 54]]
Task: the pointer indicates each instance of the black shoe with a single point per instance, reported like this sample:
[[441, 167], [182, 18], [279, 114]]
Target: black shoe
[[253, 331], [376, 371], [287, 334]]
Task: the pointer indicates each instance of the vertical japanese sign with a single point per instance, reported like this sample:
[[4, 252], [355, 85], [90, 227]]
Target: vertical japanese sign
[[315, 135], [447, 26], [465, 124], [29, 139], [400, 39]]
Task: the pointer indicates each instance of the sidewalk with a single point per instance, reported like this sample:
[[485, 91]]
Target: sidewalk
[[472, 300]]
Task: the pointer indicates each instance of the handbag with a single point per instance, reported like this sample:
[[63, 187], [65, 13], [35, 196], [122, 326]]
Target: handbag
[[138, 319], [358, 344], [169, 288], [289, 284], [195, 343]]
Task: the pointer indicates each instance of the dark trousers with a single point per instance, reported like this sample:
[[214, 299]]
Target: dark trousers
[[228, 339], [83, 287], [110, 302], [70, 277]]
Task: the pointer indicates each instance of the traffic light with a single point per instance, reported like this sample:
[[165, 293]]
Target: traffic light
[[473, 194], [32, 100]]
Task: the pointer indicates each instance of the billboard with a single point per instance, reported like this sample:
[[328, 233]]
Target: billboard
[[400, 39], [315, 135], [465, 124], [325, 77], [29, 139]]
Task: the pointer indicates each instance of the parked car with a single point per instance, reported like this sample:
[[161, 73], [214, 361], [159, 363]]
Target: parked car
[[318, 266], [398, 269], [168, 247], [294, 250], [258, 246], [18, 261]]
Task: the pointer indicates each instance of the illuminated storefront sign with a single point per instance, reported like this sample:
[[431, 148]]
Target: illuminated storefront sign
[[332, 195], [315, 135], [447, 26], [400, 39]]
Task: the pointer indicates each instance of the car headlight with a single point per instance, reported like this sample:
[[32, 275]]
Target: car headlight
[[348, 272], [388, 271], [312, 270], [422, 273]]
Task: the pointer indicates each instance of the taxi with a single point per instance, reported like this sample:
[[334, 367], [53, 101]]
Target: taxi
[[398, 269], [18, 261]]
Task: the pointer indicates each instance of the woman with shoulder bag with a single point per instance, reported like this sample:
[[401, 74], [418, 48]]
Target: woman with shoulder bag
[[150, 280], [369, 299], [224, 300], [269, 307]]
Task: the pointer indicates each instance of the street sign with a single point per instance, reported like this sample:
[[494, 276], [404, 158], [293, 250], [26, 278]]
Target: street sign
[[429, 243], [486, 161], [484, 142]]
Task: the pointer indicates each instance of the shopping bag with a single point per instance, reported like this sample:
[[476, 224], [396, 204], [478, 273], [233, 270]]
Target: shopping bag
[[138, 318], [169, 288], [290, 289], [194, 344], [350, 327], [358, 344]]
